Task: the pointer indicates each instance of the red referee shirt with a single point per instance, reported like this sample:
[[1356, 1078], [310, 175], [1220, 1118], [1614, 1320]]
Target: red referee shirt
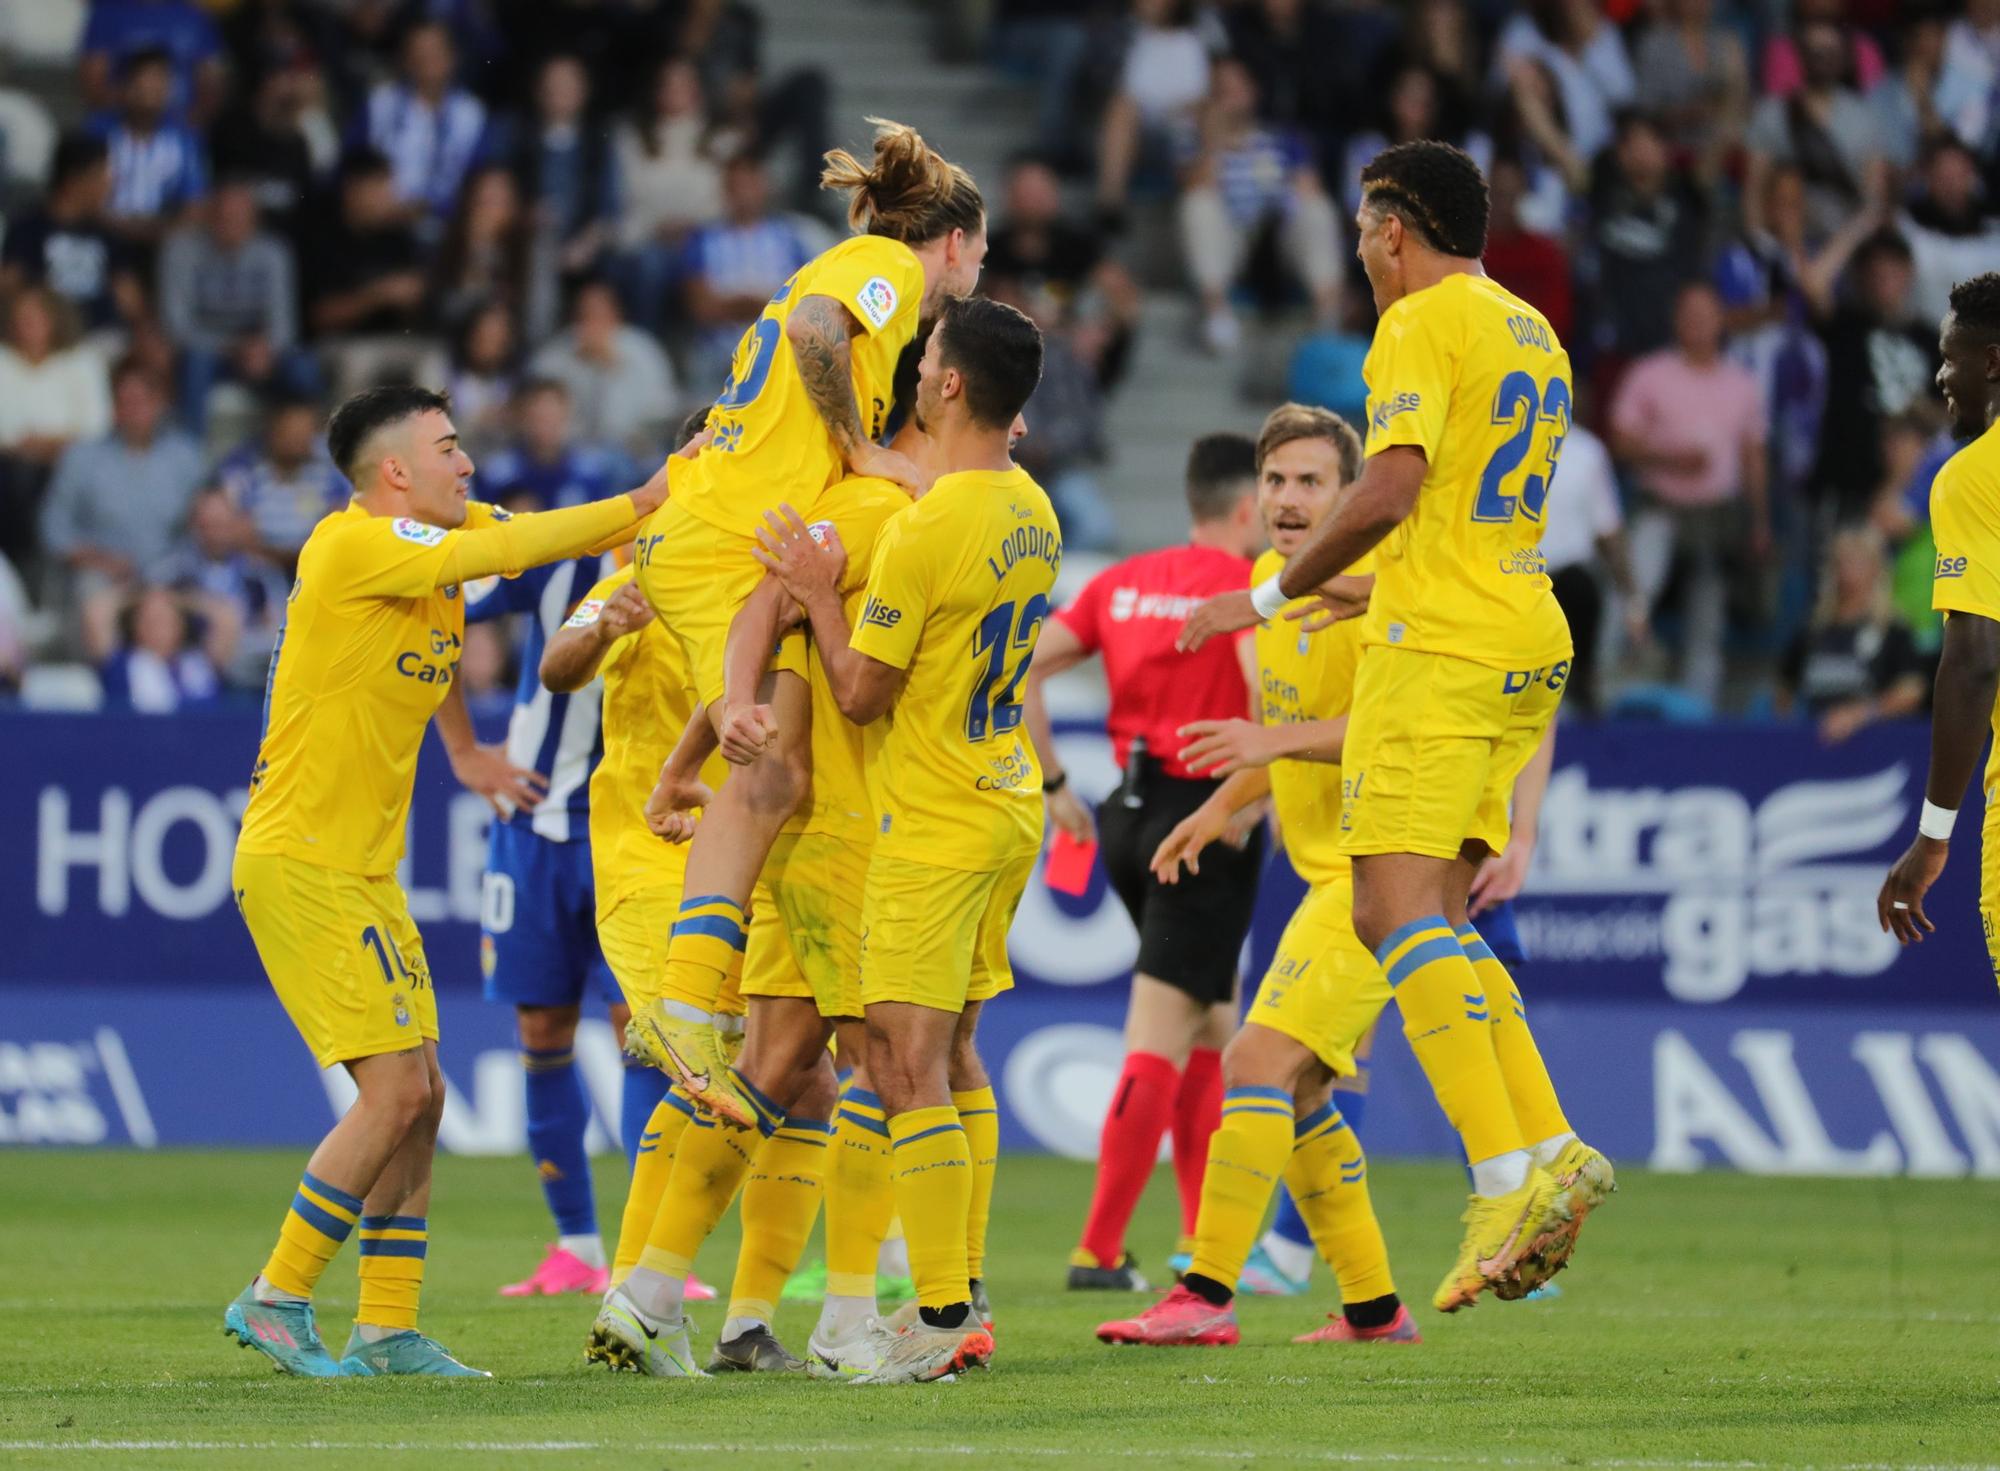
[[1130, 614]]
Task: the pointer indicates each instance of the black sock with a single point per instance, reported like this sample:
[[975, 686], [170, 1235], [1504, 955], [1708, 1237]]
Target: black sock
[[951, 1315], [1207, 1289], [1377, 1312]]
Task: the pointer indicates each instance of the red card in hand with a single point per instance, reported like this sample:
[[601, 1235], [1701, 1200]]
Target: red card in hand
[[1069, 865]]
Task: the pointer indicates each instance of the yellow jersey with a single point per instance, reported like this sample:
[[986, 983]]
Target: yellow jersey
[[1474, 377], [370, 646], [1301, 677], [769, 444], [956, 598], [857, 508], [1965, 521], [648, 701]]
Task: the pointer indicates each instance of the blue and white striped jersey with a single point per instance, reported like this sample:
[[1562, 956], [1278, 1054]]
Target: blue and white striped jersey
[[558, 735]]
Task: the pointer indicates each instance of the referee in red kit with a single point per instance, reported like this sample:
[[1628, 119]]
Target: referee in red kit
[[1183, 1009]]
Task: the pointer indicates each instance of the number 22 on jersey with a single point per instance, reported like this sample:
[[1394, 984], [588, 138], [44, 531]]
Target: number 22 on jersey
[[1001, 632]]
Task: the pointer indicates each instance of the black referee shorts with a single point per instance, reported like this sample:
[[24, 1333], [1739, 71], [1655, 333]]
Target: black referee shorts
[[1190, 933]]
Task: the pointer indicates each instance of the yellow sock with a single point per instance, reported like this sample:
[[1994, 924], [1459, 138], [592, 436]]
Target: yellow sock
[[710, 1163], [780, 1199], [1246, 1155], [1533, 1092], [1328, 1176], [859, 1197], [932, 1172], [320, 1218], [649, 1177], [979, 1112], [708, 940], [1445, 1018], [392, 1270]]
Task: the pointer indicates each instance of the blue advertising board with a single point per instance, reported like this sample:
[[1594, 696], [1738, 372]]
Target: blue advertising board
[[1709, 985]]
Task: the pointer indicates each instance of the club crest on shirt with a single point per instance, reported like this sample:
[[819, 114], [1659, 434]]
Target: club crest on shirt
[[876, 300], [417, 531]]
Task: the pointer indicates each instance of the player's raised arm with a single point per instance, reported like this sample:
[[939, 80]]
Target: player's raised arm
[[576, 649]]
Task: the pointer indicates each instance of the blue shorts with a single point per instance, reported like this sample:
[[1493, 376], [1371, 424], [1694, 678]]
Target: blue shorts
[[538, 922], [1502, 935]]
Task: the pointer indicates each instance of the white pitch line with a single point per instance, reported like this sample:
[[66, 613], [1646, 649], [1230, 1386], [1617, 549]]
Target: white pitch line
[[1336, 1458]]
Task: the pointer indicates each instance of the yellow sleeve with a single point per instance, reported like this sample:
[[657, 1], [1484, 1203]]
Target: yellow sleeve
[[509, 545], [388, 557], [1409, 379], [880, 281], [1965, 520], [899, 583]]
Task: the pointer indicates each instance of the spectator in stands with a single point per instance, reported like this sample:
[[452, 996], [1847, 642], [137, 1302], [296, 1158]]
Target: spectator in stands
[[155, 663], [53, 392], [1251, 182], [1314, 65], [777, 118], [546, 466], [1827, 130], [671, 182], [180, 29], [1913, 451], [283, 482], [480, 369], [1969, 81], [220, 571], [1882, 360], [1647, 229], [117, 501], [1906, 100], [158, 167], [733, 267], [1532, 264], [228, 297], [1692, 75], [68, 245], [1690, 426], [1565, 67], [567, 170], [15, 613], [1417, 103], [1856, 663], [1048, 43], [620, 384], [429, 128], [1949, 224], [489, 254], [1154, 117], [1583, 542], [1787, 69], [263, 140], [365, 278]]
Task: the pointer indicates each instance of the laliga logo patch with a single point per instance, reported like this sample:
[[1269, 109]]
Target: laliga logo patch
[[876, 300], [585, 614], [417, 531], [819, 531]]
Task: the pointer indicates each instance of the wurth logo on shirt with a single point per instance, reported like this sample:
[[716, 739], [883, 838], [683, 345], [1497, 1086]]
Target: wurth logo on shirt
[[1128, 603]]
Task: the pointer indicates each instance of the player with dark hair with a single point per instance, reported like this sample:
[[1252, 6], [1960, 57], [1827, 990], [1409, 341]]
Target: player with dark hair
[[1965, 518], [368, 657], [1183, 1003], [1466, 655]]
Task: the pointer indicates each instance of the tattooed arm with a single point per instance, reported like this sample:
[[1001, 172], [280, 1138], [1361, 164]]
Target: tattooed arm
[[820, 329]]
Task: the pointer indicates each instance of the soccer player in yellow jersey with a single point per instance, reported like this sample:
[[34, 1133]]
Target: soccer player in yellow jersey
[[1965, 519], [808, 394], [956, 597], [1323, 990], [369, 651], [1466, 655]]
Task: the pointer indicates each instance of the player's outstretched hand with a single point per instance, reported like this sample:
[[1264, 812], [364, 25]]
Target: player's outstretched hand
[[506, 787], [870, 458], [1337, 600], [625, 611], [1219, 747], [1182, 847], [671, 812], [1500, 878], [1900, 905], [1224, 613], [809, 561], [745, 731]]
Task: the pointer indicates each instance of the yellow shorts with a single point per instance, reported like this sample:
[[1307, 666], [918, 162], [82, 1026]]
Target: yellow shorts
[[1989, 882], [633, 935], [937, 936], [697, 577], [1433, 747], [1324, 989], [816, 890], [342, 953]]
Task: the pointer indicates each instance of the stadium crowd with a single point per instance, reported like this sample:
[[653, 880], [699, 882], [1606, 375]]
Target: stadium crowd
[[1742, 217]]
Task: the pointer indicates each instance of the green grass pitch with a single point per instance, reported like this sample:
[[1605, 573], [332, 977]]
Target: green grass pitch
[[1714, 1321]]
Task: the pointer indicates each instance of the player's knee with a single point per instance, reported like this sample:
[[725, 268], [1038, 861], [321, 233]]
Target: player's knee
[[404, 1097], [547, 1028], [1374, 919], [817, 1097], [1258, 1057]]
